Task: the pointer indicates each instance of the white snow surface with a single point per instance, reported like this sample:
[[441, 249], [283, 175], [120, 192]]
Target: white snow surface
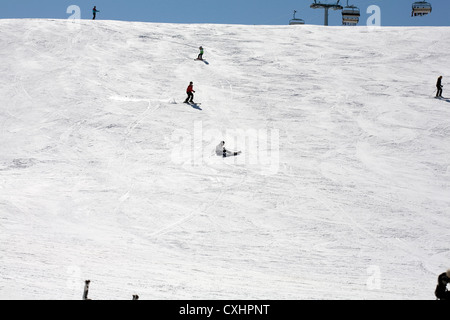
[[342, 190]]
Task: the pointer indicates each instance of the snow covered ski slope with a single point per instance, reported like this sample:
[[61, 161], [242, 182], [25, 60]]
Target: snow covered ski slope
[[342, 190]]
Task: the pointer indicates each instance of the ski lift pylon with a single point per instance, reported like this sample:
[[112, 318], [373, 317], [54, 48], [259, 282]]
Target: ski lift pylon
[[326, 6]]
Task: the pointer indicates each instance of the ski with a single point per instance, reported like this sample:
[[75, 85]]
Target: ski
[[203, 60], [228, 154]]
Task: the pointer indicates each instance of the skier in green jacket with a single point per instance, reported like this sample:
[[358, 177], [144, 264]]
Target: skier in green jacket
[[200, 55]]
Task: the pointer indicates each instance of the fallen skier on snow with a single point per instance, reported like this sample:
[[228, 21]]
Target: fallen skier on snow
[[222, 151]]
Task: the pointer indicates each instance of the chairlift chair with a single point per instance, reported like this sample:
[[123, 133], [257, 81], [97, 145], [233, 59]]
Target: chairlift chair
[[350, 15], [295, 20], [421, 8]]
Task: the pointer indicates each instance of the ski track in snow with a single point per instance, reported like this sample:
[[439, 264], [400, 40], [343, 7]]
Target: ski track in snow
[[106, 175]]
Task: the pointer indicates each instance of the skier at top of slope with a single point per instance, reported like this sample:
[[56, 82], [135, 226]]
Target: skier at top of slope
[[94, 12], [441, 291]]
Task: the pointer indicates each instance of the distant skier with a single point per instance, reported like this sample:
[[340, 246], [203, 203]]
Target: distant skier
[[441, 291], [190, 93], [439, 87], [222, 151], [200, 55], [94, 12]]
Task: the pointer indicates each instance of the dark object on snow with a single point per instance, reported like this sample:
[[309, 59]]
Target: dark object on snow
[[86, 290], [441, 291], [439, 87]]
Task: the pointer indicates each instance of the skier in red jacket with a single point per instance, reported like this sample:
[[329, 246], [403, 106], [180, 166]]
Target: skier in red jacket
[[190, 92], [441, 291]]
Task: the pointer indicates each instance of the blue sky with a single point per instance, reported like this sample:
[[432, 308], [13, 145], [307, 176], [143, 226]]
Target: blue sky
[[249, 12]]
